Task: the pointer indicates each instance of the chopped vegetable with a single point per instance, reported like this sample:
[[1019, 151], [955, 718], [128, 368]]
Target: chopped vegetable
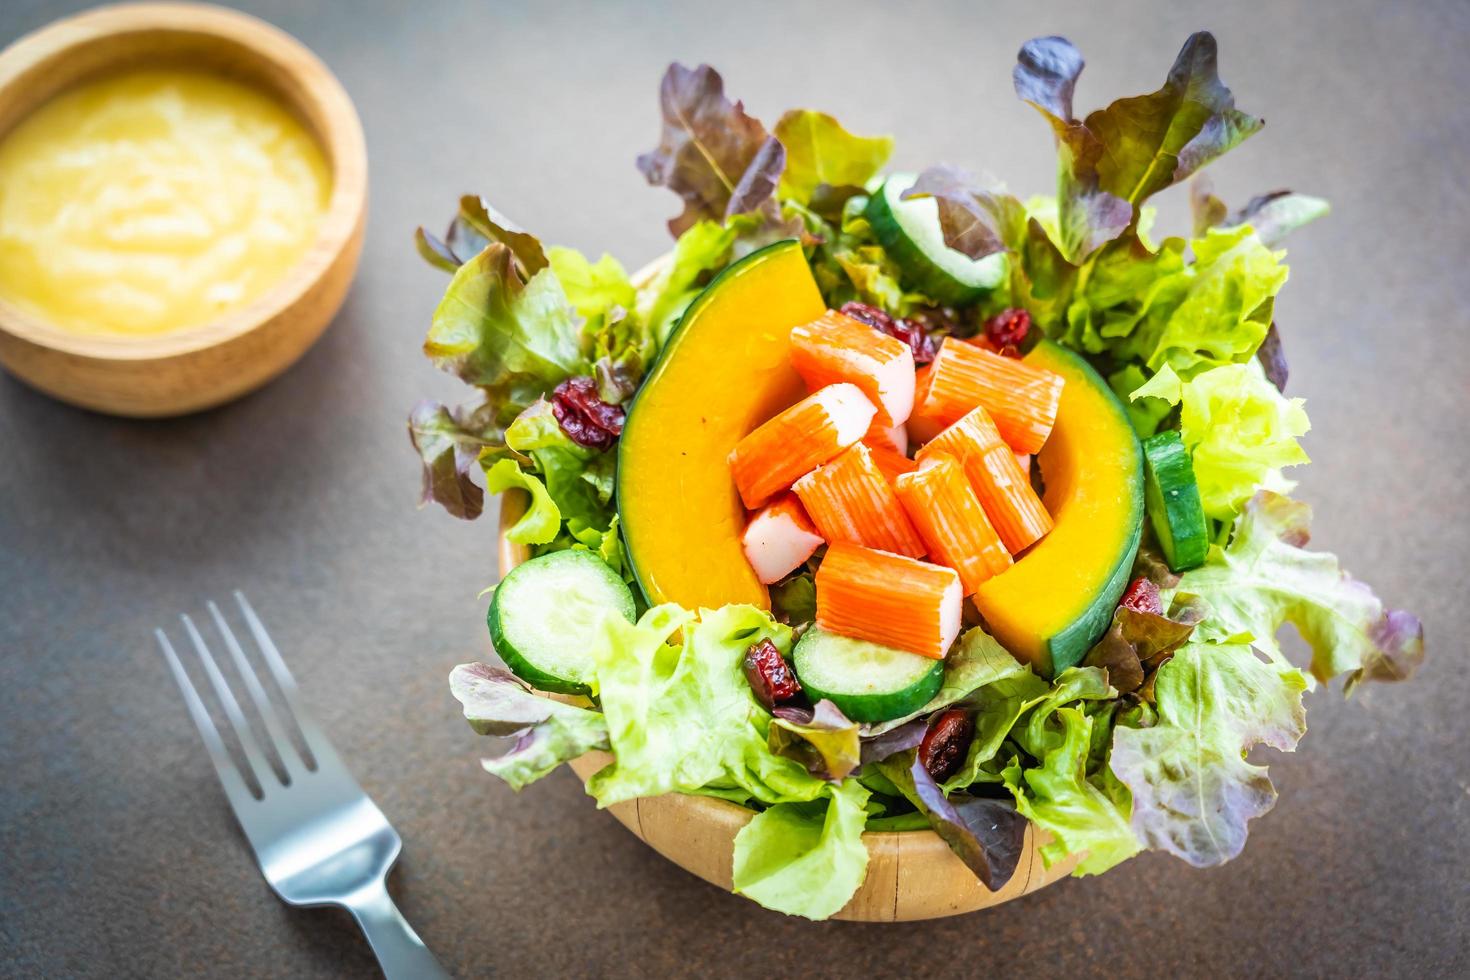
[[943, 507], [779, 539], [1004, 490], [888, 599], [850, 500], [1022, 398], [837, 348], [806, 435]]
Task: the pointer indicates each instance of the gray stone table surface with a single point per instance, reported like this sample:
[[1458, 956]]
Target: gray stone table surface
[[118, 856]]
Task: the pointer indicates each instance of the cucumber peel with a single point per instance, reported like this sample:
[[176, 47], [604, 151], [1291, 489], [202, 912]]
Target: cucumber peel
[[547, 617], [1171, 498], [909, 232], [867, 681]]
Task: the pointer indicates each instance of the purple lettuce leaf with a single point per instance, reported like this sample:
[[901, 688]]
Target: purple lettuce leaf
[[821, 738], [987, 834], [713, 154], [547, 732]]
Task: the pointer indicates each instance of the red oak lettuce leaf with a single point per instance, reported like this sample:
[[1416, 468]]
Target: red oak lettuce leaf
[[713, 154], [1265, 578], [475, 226], [1120, 155], [987, 834], [547, 732], [1193, 791]]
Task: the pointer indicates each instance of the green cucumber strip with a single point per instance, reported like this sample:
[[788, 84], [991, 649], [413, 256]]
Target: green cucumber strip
[[909, 232], [1171, 497], [548, 614], [869, 682]]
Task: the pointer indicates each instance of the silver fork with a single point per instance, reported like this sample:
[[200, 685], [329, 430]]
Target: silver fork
[[316, 835]]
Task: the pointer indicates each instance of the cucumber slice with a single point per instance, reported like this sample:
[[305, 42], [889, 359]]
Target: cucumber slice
[[909, 232], [867, 681], [547, 616], [1171, 497]]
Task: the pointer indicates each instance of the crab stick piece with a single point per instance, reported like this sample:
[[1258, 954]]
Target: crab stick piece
[[890, 463], [834, 348], [779, 539], [889, 599], [948, 516], [849, 499], [1005, 492], [1020, 397], [895, 437], [806, 435]]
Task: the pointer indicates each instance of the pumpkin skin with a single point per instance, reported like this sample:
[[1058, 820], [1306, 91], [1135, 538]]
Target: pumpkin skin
[[1056, 601], [724, 371]]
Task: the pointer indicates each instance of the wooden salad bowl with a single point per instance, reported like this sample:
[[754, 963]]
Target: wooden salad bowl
[[911, 874], [199, 367]]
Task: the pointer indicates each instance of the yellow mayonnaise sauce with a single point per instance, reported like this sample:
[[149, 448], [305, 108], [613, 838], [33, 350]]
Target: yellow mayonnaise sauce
[[154, 200]]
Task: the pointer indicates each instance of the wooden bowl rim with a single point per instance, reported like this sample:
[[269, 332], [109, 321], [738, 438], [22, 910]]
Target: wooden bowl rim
[[336, 128]]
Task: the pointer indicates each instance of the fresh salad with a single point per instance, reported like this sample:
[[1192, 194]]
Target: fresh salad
[[894, 501]]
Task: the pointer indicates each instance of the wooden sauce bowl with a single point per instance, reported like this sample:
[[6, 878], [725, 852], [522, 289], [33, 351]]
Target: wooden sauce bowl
[[911, 874], [198, 367]]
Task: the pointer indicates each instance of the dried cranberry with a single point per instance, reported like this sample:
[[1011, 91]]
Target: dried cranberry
[[583, 416], [769, 676], [945, 743], [1008, 328], [911, 332], [1143, 596]]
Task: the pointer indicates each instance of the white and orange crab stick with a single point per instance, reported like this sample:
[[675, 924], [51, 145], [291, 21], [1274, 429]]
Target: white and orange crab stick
[[889, 599], [835, 348], [791, 444], [779, 539], [943, 507], [895, 437], [890, 463], [849, 499], [1005, 492], [1020, 397]]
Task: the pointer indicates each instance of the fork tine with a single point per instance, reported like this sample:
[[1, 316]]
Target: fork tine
[[236, 789], [285, 750], [321, 749], [254, 758]]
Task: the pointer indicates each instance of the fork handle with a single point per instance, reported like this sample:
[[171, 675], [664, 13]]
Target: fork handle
[[400, 951]]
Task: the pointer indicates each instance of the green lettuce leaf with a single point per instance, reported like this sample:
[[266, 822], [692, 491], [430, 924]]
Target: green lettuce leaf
[[514, 339], [1239, 429], [998, 706], [542, 520], [713, 154], [1265, 578], [682, 719], [701, 251], [1193, 790], [822, 157], [578, 480], [1215, 322], [593, 288], [548, 732], [805, 858], [1082, 817]]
